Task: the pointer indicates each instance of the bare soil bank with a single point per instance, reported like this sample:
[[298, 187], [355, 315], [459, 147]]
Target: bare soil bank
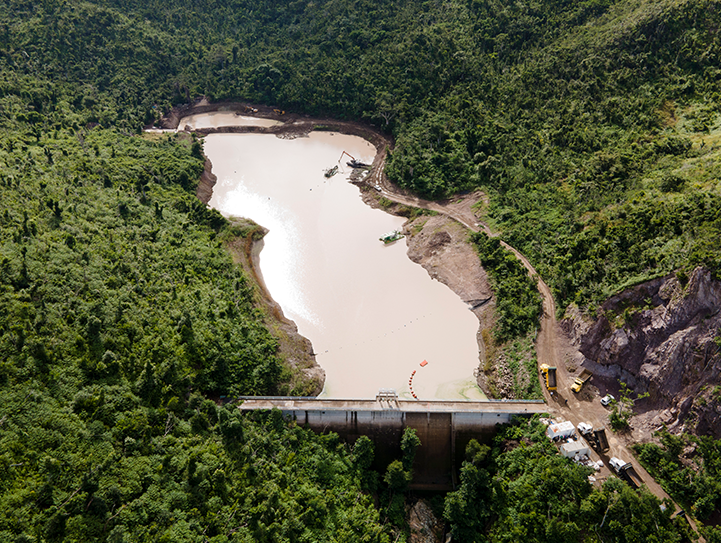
[[307, 376], [439, 243]]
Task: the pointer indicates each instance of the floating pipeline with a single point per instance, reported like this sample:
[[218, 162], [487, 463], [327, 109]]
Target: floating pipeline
[[410, 384], [413, 374]]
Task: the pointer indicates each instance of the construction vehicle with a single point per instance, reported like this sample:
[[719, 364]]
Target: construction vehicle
[[626, 472], [353, 162], [601, 441], [549, 372], [279, 112], [585, 429], [580, 380], [595, 437]]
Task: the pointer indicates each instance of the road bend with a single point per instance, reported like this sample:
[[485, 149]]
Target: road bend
[[563, 403]]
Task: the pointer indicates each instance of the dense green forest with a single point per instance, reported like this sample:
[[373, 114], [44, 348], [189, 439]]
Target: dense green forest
[[593, 126], [693, 480]]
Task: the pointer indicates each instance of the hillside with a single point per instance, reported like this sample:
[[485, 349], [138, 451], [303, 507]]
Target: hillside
[[593, 127]]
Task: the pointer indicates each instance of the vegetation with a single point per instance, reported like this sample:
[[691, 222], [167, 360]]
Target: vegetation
[[593, 127], [120, 315], [518, 303], [622, 409], [191, 473], [689, 468], [521, 489], [518, 312]]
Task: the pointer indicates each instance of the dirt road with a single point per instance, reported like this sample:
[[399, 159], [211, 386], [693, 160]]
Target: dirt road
[[552, 348]]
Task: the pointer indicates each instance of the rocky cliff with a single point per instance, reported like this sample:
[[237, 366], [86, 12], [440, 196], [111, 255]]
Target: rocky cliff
[[661, 337]]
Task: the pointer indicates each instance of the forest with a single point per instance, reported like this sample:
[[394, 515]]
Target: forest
[[593, 127]]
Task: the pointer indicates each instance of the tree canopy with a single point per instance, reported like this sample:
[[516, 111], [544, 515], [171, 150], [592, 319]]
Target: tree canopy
[[592, 126]]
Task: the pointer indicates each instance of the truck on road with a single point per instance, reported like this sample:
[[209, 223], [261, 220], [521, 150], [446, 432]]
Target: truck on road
[[596, 437], [549, 373], [626, 472], [601, 441], [580, 380]]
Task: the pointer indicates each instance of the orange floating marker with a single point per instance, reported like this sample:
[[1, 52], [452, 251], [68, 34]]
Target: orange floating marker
[[424, 364]]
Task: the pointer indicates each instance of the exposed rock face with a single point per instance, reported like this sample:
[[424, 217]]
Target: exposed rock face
[[425, 527], [661, 338], [207, 182]]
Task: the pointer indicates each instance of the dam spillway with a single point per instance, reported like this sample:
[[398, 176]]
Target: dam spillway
[[444, 427]]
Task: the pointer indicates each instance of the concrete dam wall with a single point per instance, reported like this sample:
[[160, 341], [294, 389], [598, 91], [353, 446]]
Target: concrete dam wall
[[444, 427]]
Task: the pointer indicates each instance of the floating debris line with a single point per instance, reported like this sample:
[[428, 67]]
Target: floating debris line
[[371, 340]]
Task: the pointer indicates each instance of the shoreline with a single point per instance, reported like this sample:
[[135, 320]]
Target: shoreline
[[468, 282]]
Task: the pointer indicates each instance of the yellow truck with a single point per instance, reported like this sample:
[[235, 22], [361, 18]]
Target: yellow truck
[[580, 380], [549, 373]]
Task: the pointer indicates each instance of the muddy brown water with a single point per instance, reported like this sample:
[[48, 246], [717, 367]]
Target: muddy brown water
[[371, 314], [217, 119]]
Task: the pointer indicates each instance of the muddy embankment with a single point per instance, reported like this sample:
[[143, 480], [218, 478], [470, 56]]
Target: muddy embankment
[[296, 350], [438, 243], [662, 337]]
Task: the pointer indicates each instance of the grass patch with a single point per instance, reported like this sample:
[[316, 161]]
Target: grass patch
[[521, 357]]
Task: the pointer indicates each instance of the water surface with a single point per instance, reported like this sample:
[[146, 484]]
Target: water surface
[[219, 119], [371, 314]]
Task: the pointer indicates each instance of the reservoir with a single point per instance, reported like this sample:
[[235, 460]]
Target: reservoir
[[372, 315]]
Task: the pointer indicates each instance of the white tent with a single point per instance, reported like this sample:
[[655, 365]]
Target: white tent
[[573, 448], [560, 429]]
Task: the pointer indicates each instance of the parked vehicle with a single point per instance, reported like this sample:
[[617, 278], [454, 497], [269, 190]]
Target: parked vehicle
[[601, 440], [580, 380], [585, 429], [626, 472], [607, 399], [549, 373]]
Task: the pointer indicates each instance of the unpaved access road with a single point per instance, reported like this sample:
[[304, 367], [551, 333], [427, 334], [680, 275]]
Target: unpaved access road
[[552, 347]]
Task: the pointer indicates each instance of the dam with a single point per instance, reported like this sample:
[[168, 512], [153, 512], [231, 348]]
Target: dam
[[444, 426]]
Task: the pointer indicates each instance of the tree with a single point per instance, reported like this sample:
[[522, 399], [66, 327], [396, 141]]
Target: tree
[[622, 409], [409, 445], [397, 478], [363, 454]]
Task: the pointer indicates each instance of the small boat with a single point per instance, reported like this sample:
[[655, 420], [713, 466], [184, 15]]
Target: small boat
[[330, 172], [390, 237]]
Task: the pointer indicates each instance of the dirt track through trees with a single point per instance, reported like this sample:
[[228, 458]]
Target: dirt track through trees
[[551, 345]]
